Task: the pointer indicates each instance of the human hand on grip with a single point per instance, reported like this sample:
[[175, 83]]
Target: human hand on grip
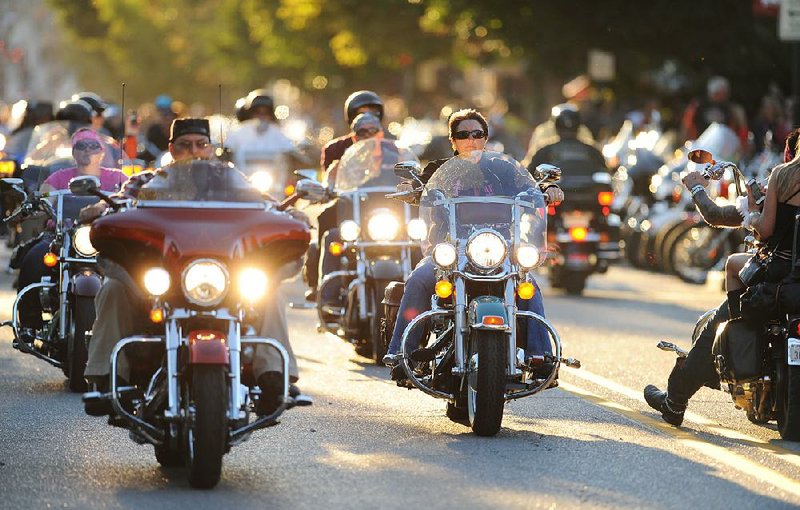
[[692, 179], [554, 195]]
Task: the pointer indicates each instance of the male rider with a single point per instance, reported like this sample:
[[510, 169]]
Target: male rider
[[697, 368], [116, 301]]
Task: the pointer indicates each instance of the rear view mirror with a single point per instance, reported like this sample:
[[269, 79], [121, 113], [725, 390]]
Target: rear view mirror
[[701, 156], [307, 173], [545, 173], [310, 190], [408, 170], [84, 185], [10, 183]]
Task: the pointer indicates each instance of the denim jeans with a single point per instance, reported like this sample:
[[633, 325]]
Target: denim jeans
[[417, 299]]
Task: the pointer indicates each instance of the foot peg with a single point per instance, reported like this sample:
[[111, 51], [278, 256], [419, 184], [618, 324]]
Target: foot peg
[[669, 346], [571, 362]]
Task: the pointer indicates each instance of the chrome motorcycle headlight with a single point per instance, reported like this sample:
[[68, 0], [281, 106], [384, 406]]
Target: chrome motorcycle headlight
[[486, 249], [82, 243], [417, 229], [205, 282], [156, 281], [262, 181], [527, 256], [444, 254], [252, 284], [383, 226], [349, 230]]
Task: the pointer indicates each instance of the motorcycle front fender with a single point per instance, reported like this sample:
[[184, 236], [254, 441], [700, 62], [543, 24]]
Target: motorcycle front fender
[[208, 348], [86, 284], [483, 307], [385, 269]]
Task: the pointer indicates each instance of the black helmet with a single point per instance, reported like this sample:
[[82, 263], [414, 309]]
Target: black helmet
[[259, 97], [75, 111], [566, 117], [361, 98], [241, 109], [95, 101]]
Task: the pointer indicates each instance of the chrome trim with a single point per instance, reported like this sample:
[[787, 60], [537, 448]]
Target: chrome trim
[[264, 421], [187, 204], [146, 430], [557, 356], [404, 359]]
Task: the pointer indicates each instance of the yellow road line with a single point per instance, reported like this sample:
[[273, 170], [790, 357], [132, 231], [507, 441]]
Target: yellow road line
[[785, 454], [686, 438]]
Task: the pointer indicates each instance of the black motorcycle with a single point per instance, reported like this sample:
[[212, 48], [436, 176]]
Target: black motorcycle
[[68, 302], [380, 240]]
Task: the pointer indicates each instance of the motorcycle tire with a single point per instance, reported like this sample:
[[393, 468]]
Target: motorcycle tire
[[77, 354], [486, 383], [457, 414], [788, 401], [206, 440], [689, 273], [574, 283], [379, 345], [169, 457]]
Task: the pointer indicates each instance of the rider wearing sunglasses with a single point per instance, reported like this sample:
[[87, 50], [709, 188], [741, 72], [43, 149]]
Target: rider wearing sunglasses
[[468, 133]]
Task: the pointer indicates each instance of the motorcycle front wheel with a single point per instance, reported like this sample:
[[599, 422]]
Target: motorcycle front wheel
[[486, 382], [206, 437], [82, 321]]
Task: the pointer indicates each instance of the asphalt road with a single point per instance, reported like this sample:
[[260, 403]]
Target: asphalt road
[[591, 443]]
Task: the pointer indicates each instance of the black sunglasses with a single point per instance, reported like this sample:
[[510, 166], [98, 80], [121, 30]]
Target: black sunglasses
[[87, 145], [463, 135], [186, 145], [367, 132]]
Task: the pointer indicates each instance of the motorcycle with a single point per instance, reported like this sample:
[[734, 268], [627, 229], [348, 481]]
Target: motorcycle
[[269, 172], [485, 249], [758, 363], [370, 257], [68, 301], [585, 233], [201, 246]]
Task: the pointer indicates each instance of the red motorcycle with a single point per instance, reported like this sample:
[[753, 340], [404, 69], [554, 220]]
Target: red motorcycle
[[204, 249]]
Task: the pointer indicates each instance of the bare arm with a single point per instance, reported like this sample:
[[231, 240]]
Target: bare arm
[[765, 223]]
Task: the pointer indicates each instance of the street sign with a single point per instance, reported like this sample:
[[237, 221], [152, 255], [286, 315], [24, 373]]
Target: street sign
[[789, 21]]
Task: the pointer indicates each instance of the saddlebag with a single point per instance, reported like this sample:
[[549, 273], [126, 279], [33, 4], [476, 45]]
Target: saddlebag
[[391, 304], [738, 351]]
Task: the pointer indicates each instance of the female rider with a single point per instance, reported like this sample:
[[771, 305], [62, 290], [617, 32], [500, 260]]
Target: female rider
[[88, 151], [468, 133]]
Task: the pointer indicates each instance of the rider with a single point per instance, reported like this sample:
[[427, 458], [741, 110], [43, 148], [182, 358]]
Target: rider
[[364, 126], [98, 107], [261, 133], [468, 133], [116, 318], [88, 151], [581, 157], [361, 101], [698, 367]]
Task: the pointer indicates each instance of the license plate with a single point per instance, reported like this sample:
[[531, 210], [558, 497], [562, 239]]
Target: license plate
[[793, 351], [576, 219]]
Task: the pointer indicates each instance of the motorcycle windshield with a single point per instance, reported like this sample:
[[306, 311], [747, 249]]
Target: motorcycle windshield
[[199, 181], [483, 190], [370, 163], [52, 142]]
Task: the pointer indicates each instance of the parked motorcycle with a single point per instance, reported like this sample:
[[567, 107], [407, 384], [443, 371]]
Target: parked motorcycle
[[67, 301], [380, 243], [485, 249], [204, 249]]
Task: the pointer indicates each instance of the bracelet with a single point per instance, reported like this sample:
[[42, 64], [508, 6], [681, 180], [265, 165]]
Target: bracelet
[[697, 188], [749, 219]]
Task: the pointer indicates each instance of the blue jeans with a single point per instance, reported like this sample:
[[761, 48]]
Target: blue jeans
[[417, 299]]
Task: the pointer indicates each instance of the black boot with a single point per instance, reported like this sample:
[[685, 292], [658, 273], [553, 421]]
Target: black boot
[[271, 384], [735, 303], [671, 411]]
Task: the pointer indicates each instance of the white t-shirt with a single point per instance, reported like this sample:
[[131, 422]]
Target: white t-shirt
[[248, 144]]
